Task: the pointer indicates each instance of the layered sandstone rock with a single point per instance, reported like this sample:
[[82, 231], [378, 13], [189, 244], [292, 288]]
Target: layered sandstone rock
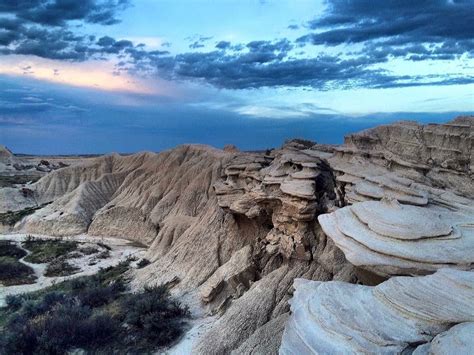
[[389, 238], [406, 161], [409, 193], [287, 189], [227, 258], [395, 316], [232, 230]]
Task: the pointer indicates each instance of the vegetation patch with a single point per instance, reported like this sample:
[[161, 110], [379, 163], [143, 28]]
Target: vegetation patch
[[89, 250], [97, 314], [45, 251], [142, 263], [60, 267], [10, 218], [8, 248], [13, 272], [12, 180]]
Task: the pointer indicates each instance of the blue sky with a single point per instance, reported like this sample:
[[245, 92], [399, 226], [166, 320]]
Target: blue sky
[[123, 75]]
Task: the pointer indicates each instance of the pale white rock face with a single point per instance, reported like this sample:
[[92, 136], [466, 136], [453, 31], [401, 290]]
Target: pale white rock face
[[390, 238], [340, 318]]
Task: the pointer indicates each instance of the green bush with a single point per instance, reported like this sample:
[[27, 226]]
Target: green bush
[[142, 263], [13, 272], [45, 251], [154, 315], [93, 313], [7, 248], [60, 267]]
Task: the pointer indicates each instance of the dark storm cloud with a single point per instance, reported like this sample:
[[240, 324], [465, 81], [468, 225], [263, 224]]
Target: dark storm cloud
[[268, 64], [58, 12], [223, 45], [417, 30], [41, 27], [111, 46]]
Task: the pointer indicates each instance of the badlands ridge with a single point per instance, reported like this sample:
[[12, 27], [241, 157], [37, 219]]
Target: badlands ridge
[[370, 242]]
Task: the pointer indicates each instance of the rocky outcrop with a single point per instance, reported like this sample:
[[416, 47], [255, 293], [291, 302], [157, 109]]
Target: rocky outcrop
[[457, 339], [395, 316], [5, 153], [389, 238], [235, 247], [232, 230], [406, 161], [409, 196], [286, 191]]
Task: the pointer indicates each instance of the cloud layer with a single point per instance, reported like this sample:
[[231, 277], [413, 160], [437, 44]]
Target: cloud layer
[[44, 28], [350, 45]]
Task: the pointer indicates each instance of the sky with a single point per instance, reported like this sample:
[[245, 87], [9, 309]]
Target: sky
[[96, 76]]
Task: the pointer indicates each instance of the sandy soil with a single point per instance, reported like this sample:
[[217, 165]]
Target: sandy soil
[[120, 250]]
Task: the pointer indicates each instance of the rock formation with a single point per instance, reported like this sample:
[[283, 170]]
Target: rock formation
[[239, 263], [409, 193], [389, 238], [286, 190], [399, 314], [232, 230], [5, 153]]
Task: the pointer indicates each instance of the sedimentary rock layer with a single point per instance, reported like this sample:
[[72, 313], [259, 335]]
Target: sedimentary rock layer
[[232, 229], [390, 238], [399, 314]]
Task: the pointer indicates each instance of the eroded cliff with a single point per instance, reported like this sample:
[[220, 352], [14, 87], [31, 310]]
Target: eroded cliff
[[232, 230]]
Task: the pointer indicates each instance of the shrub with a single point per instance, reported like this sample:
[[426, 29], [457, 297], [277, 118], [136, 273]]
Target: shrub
[[60, 267], [45, 251], [105, 246], [13, 272], [98, 295], [10, 218], [103, 254], [93, 314], [14, 302], [88, 250], [154, 315], [7, 248], [142, 263]]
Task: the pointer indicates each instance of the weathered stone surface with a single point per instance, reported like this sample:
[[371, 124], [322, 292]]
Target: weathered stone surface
[[399, 314], [232, 278], [457, 340], [240, 226], [288, 189], [389, 238], [5, 153], [392, 160]]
